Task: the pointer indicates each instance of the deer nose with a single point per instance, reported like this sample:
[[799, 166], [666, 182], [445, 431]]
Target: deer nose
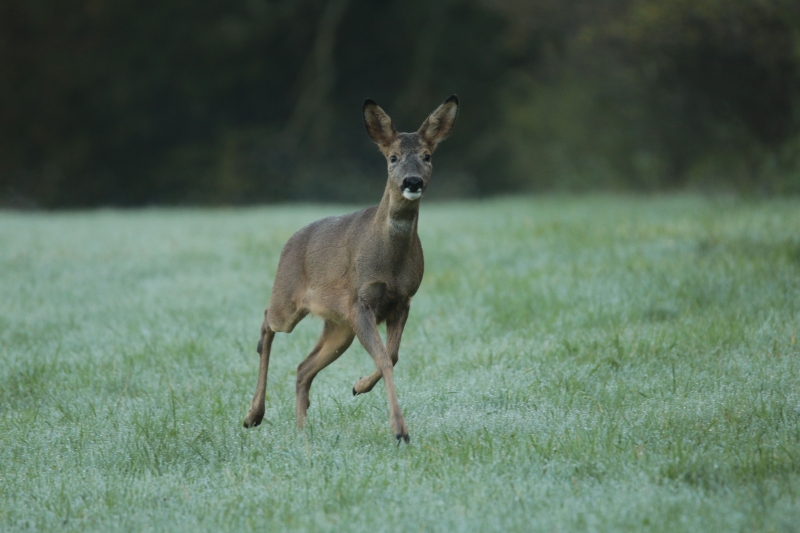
[[412, 184]]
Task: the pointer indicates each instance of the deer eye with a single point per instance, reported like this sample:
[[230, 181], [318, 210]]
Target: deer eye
[[426, 157], [393, 159]]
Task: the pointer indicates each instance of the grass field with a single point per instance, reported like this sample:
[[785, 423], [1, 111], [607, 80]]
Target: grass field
[[607, 363]]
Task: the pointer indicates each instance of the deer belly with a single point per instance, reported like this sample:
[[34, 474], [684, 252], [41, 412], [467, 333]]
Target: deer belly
[[328, 305]]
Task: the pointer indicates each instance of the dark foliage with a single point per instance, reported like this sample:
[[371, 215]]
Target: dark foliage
[[132, 103]]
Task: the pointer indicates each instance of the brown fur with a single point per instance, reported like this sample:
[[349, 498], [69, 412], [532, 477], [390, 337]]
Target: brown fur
[[358, 270]]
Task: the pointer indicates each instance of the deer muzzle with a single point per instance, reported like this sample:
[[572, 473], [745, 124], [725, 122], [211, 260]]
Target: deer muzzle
[[412, 188]]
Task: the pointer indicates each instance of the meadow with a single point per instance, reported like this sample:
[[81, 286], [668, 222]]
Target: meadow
[[596, 363]]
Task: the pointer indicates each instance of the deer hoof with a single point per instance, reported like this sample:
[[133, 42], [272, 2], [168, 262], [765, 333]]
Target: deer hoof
[[400, 437], [252, 419]]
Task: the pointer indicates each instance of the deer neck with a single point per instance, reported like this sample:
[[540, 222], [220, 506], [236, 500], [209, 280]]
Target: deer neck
[[397, 217]]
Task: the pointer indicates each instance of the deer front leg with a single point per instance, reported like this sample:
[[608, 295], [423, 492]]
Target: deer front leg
[[366, 330], [256, 413], [333, 342], [395, 324]]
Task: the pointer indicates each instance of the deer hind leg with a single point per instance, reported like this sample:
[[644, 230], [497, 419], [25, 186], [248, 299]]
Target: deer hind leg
[[335, 339], [256, 413], [395, 323]]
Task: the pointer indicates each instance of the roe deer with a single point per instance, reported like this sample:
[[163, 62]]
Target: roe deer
[[357, 270]]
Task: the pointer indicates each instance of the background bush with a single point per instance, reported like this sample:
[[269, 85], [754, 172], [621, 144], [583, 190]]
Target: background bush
[[131, 103]]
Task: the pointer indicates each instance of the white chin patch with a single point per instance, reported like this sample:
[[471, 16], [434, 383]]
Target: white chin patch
[[408, 195]]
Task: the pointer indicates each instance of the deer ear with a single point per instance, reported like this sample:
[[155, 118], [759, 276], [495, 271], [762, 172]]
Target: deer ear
[[379, 125], [439, 124]]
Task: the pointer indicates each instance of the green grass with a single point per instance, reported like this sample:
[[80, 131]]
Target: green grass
[[607, 363]]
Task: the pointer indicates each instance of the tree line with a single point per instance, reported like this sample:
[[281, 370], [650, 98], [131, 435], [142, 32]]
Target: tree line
[[244, 101]]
